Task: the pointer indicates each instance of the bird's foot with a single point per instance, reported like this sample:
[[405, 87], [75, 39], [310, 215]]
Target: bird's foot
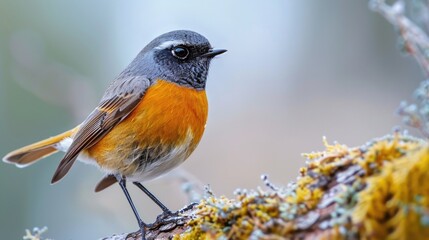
[[142, 226]]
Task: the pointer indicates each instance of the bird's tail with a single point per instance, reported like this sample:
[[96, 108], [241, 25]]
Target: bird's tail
[[30, 154]]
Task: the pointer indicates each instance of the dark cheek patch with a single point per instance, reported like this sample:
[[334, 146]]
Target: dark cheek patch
[[191, 72]]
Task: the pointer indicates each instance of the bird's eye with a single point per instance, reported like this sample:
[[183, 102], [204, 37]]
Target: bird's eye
[[180, 52]]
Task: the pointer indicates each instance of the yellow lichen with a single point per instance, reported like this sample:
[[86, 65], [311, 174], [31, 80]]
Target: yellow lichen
[[377, 191], [395, 203]]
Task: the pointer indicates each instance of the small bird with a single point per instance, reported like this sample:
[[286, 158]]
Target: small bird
[[149, 120]]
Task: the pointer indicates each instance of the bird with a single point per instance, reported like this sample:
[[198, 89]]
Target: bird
[[149, 120]]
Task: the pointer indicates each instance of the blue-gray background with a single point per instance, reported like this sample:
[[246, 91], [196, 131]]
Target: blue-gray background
[[295, 71]]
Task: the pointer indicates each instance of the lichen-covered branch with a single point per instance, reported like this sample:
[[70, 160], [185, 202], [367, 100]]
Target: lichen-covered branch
[[376, 191], [416, 114], [411, 18], [416, 41], [36, 234]]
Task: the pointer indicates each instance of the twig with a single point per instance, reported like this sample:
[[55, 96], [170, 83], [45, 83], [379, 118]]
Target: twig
[[415, 39]]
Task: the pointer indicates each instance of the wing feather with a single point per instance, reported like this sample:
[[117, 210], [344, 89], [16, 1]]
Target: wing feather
[[119, 100]]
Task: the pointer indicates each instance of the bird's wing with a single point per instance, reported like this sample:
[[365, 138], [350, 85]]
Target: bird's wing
[[119, 100], [106, 182]]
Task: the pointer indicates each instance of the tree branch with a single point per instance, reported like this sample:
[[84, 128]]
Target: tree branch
[[378, 190], [415, 39]]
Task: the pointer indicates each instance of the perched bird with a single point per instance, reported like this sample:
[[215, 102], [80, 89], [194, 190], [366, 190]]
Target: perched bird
[[149, 120]]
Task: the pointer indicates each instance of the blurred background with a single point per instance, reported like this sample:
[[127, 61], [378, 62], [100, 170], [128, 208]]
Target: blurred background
[[294, 71]]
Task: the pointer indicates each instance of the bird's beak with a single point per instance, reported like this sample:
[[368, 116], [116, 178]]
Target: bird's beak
[[213, 52]]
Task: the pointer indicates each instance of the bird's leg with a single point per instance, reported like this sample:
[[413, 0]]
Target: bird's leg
[[151, 196], [142, 225]]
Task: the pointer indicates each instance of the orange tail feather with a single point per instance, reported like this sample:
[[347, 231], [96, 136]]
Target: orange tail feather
[[30, 154]]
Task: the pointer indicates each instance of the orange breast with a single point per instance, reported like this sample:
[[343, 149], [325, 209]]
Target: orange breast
[[167, 117]]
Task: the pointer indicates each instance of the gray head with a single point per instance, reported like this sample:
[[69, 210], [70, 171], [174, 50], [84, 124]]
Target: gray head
[[182, 57]]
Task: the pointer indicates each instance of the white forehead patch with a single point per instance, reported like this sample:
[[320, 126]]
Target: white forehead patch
[[168, 44]]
